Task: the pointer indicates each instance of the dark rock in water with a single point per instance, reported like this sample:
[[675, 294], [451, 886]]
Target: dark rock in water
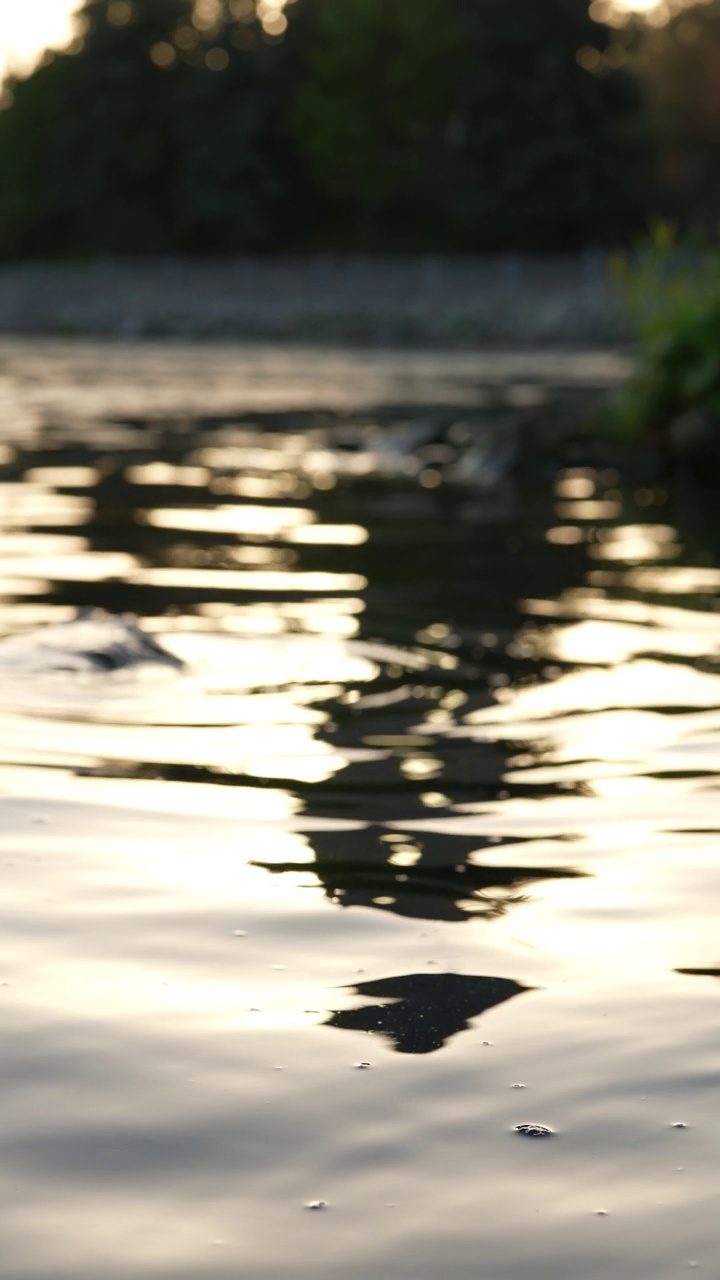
[[533, 1130], [692, 442], [94, 641]]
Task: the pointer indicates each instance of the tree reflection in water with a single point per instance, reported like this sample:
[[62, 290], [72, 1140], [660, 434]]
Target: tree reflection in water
[[432, 878], [699, 973], [426, 1010]]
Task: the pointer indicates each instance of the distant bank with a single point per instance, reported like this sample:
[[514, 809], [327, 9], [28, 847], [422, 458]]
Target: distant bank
[[437, 301]]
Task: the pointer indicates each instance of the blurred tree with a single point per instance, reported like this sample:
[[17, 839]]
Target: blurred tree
[[678, 66], [491, 124], [29, 133], [544, 128], [223, 125], [161, 132], [375, 88], [234, 159]]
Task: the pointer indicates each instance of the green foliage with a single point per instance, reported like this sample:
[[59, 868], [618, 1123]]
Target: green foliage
[[672, 289], [376, 89], [471, 120]]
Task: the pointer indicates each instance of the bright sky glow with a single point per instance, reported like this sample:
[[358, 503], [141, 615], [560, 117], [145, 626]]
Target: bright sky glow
[[29, 26]]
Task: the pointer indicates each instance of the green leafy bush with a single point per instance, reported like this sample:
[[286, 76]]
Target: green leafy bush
[[672, 290]]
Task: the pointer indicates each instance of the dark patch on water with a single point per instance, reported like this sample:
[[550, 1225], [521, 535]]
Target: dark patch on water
[[427, 1010], [699, 973]]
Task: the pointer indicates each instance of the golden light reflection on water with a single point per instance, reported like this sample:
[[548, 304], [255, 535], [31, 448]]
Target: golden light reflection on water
[[594, 603], [277, 557], [176, 798], [605, 643], [245, 519], [63, 477], [631, 543], [40, 507], [345, 535], [685, 580], [17, 587], [281, 749], [95, 566], [282, 484], [601, 509], [335, 616], [566, 535], [575, 485], [307, 818], [41, 544], [22, 616], [251, 580], [165, 473], [643, 683]]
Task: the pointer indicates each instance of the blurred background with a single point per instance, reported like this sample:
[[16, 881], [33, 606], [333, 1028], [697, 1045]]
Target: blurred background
[[210, 127]]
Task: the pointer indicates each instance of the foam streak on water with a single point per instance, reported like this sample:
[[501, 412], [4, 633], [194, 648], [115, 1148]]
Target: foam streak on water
[[312, 763]]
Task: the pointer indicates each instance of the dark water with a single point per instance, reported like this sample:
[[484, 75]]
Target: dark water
[[388, 823]]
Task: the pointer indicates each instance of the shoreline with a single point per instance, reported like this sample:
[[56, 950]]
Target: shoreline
[[493, 300]]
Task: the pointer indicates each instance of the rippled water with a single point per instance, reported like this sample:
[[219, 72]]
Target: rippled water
[[390, 825]]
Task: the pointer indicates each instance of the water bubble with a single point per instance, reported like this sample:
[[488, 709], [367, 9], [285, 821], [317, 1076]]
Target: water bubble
[[518, 1086], [362, 1066], [316, 1205], [239, 933], [678, 1124], [601, 1213], [533, 1130], [487, 1043]]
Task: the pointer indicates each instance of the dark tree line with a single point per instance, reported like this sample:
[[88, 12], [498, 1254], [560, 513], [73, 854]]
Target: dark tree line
[[173, 126], [677, 66]]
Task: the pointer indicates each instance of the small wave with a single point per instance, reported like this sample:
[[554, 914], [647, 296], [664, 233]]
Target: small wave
[[94, 641]]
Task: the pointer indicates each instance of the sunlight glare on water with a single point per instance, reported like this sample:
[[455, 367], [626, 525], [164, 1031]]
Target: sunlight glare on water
[[355, 831]]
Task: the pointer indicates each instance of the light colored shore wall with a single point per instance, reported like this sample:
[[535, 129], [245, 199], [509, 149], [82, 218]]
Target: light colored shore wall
[[504, 299]]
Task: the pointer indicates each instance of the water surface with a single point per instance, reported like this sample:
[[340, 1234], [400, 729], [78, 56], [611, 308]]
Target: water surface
[[386, 823]]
